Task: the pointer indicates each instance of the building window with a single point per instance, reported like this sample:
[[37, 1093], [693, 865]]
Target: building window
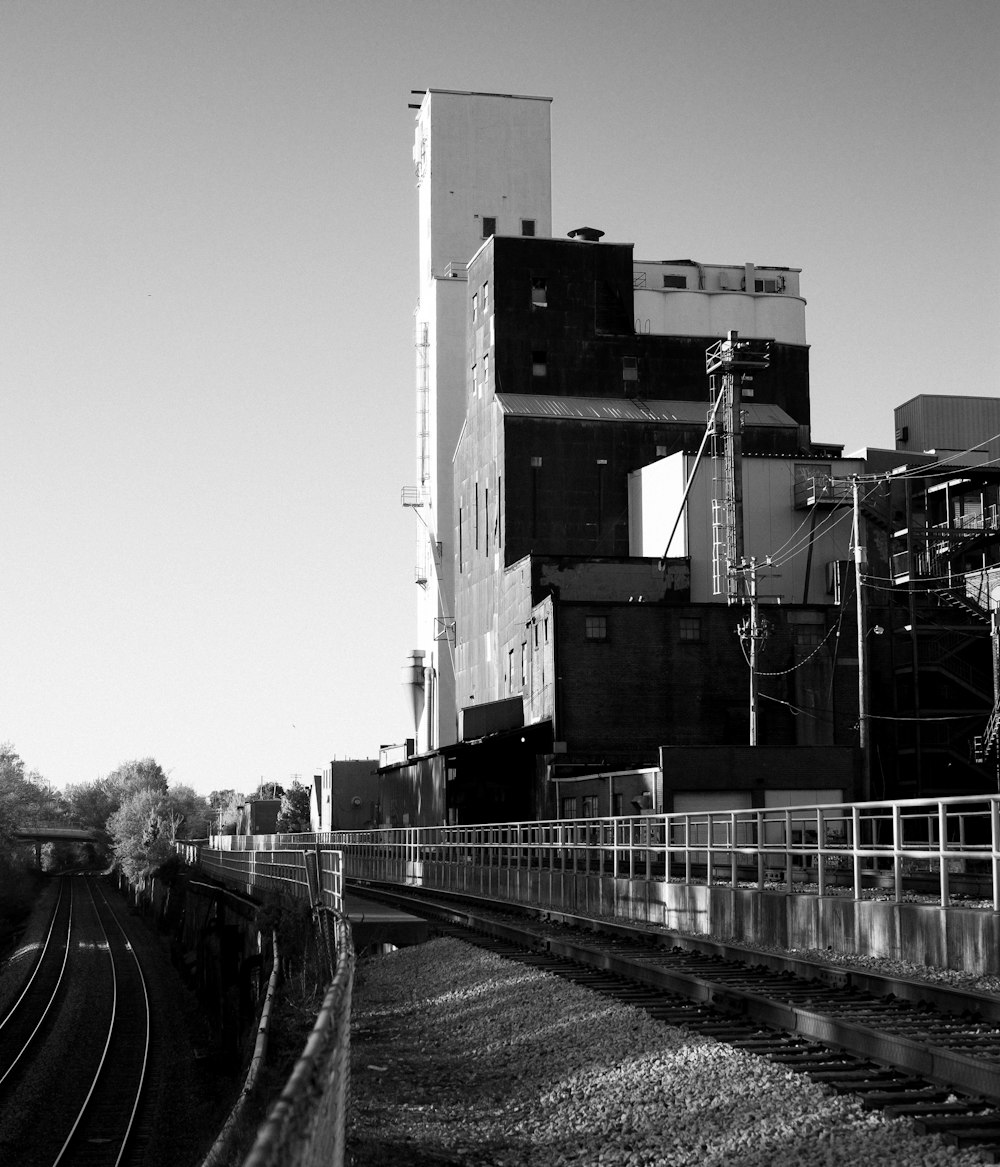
[[539, 363], [489, 226], [595, 627], [539, 293], [475, 305], [486, 371], [675, 281], [617, 805], [808, 635], [486, 298], [524, 663], [475, 385], [689, 628], [569, 808], [527, 226], [590, 806], [768, 285]]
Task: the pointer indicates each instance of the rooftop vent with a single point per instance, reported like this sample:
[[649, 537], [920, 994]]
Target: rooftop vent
[[585, 234]]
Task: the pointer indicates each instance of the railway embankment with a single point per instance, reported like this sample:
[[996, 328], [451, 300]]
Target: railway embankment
[[461, 1057]]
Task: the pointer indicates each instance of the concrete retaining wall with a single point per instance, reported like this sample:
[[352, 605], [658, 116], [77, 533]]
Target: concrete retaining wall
[[964, 939]]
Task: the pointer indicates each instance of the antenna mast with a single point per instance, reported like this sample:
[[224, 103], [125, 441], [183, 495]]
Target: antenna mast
[[734, 359]]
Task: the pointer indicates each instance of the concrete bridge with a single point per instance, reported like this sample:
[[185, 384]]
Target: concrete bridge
[[55, 832]]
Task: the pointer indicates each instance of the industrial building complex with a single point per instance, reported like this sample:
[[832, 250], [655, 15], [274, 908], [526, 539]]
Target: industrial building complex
[[641, 585]]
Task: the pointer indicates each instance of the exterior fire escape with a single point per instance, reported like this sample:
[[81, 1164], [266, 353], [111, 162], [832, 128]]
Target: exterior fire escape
[[946, 553]]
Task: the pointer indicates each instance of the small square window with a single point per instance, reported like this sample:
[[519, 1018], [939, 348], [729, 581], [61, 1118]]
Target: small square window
[[808, 635], [527, 226], [673, 281], [595, 627], [569, 808], [489, 226], [539, 363], [689, 628]]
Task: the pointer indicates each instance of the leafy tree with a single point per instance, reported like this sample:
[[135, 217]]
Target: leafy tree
[[150, 819], [91, 803], [266, 790], [225, 816], [25, 796], [95, 802], [190, 812], [140, 830], [294, 813]]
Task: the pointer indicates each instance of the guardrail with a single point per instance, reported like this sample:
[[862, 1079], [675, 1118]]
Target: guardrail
[[293, 864], [306, 1126], [842, 848]]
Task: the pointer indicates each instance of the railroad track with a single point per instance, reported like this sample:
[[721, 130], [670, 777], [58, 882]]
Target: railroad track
[[73, 1085], [907, 1048], [22, 1025]]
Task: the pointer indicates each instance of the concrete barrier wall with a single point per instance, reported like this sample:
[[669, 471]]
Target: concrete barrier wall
[[964, 939]]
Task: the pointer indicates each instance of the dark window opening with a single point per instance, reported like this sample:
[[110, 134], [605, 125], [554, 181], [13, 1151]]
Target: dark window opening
[[489, 226], [689, 628], [539, 293], [527, 226], [595, 628], [675, 281], [539, 363]]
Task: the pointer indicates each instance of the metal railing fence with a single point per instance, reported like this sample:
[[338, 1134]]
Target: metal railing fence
[[294, 864], [306, 1126], [849, 846]]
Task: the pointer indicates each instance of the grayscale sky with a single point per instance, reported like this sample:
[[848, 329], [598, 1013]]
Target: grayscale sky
[[207, 283]]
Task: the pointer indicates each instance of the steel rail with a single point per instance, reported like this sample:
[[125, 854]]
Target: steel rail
[[957, 1069], [26, 1044], [147, 1028], [103, 1061]]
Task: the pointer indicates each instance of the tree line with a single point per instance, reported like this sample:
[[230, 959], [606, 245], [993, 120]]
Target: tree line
[[135, 811]]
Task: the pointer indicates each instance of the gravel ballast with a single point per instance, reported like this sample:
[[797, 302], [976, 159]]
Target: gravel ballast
[[460, 1057]]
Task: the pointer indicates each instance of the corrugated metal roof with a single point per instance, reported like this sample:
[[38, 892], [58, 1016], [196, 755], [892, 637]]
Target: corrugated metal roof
[[630, 409]]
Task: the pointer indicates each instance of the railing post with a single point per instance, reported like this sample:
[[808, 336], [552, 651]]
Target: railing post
[[897, 847], [709, 856], [995, 848], [820, 847], [788, 850], [856, 849], [943, 852], [761, 843], [732, 844], [687, 848]]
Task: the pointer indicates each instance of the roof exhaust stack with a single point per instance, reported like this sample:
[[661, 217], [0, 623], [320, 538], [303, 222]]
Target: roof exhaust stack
[[585, 234]]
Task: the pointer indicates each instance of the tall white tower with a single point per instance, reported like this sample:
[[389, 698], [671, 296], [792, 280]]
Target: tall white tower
[[483, 163]]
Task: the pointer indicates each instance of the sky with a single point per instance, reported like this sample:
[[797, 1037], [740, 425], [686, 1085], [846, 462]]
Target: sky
[[208, 261]]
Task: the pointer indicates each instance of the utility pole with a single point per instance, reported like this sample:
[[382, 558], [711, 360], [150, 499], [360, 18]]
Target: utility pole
[[859, 563], [754, 633], [752, 629]]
